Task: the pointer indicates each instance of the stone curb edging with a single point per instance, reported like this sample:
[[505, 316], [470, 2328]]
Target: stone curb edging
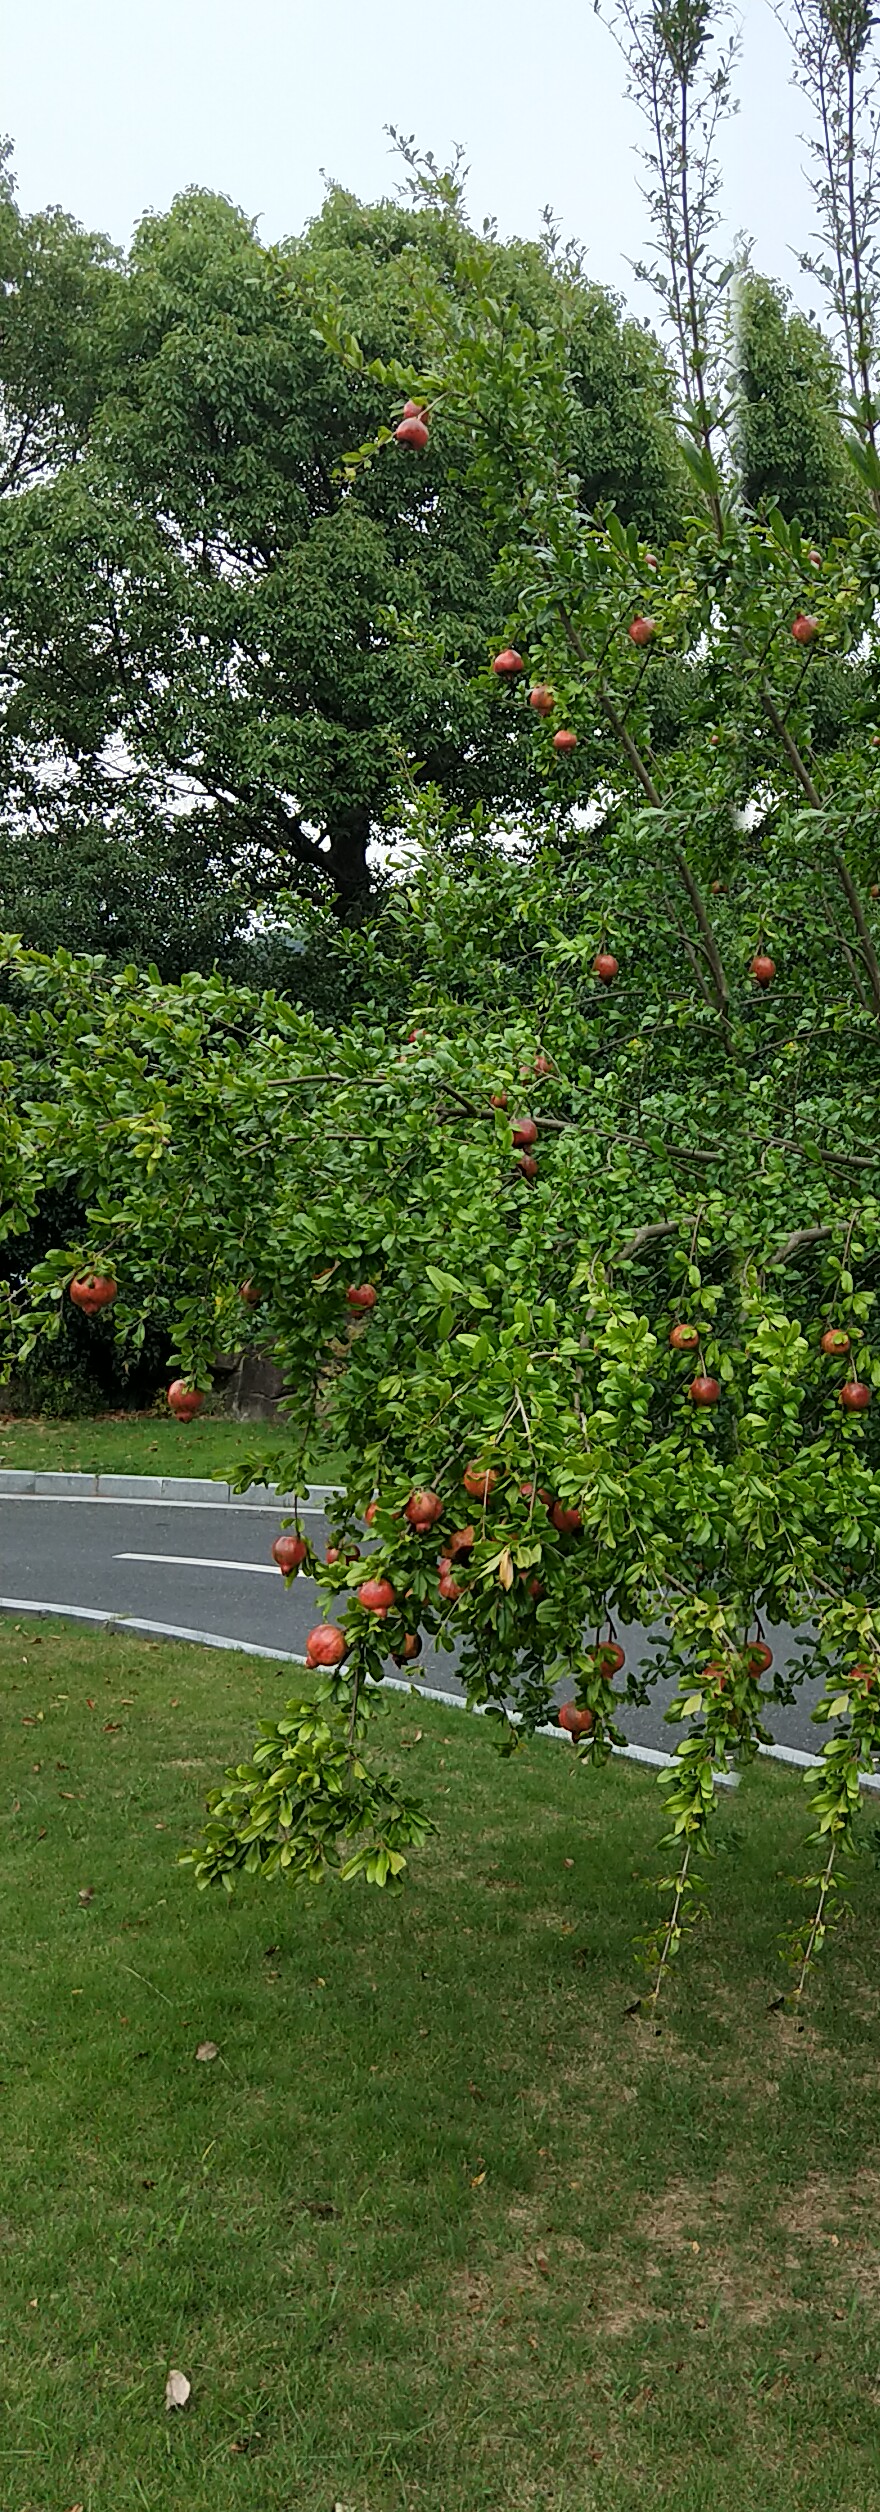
[[17, 1482], [119, 1624]]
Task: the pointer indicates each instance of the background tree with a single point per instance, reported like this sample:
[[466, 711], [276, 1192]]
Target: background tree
[[789, 443], [202, 611], [837, 68]]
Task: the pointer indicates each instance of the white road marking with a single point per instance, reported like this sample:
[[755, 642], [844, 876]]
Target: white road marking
[[201, 1561]]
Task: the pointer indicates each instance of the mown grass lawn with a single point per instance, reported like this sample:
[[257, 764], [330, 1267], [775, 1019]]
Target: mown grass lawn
[[141, 1443], [441, 2227]]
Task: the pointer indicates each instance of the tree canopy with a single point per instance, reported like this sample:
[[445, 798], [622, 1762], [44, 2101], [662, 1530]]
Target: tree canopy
[[204, 618]]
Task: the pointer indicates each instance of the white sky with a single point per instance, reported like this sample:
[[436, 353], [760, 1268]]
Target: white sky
[[114, 105]]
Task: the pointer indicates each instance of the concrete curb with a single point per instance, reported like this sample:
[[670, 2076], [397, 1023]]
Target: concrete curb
[[17, 1483], [158, 1487], [119, 1624]]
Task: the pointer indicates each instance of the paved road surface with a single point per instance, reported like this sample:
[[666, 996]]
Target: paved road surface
[[207, 1567]]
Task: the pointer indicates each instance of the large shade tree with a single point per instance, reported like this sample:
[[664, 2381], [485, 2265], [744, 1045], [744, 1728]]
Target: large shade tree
[[205, 620]]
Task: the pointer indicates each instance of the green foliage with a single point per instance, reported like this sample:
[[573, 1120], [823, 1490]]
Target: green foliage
[[790, 444]]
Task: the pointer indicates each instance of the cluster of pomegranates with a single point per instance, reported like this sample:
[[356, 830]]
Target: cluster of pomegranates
[[702, 1390], [509, 664], [855, 1394], [413, 427], [577, 1719], [327, 1644]]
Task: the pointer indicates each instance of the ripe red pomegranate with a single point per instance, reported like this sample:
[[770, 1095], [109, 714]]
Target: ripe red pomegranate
[[185, 1401], [640, 631], [835, 1341], [762, 968], [536, 1587], [479, 1481], [341, 1552], [525, 1132], [864, 1674], [376, 1596], [704, 1390], [412, 1647], [542, 698], [685, 1338], [855, 1396], [423, 1509], [461, 1542], [415, 410], [362, 1295], [326, 1645], [250, 1293], [93, 1291], [760, 1657], [609, 1657], [804, 628], [542, 1066], [412, 432], [508, 663], [289, 1551], [577, 1722], [566, 1521], [528, 1489], [605, 967], [717, 1675], [370, 1512], [498, 1099], [565, 741], [528, 1166]]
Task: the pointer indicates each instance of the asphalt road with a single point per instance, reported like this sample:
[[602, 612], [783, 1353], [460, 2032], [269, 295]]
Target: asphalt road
[[205, 1567]]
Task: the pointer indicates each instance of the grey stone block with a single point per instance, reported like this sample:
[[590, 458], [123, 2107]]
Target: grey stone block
[[15, 1478], [72, 1486], [177, 1487], [130, 1486]]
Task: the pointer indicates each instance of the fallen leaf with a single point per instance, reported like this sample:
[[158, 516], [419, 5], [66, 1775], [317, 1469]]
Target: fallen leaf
[[87, 1894], [111, 1726], [207, 2049], [177, 2390], [475, 2090], [542, 2262], [478, 2180], [505, 1567], [568, 1862]]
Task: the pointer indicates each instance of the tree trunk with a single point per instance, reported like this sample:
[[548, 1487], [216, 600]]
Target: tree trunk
[[346, 860]]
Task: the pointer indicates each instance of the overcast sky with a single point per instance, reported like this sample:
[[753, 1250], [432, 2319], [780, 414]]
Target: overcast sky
[[114, 105]]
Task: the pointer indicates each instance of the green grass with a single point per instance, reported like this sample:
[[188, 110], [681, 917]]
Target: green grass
[[141, 1443], [441, 2229]]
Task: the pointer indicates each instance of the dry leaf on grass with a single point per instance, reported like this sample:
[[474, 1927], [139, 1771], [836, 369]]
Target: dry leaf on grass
[[87, 1894], [207, 2049], [177, 2390]]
